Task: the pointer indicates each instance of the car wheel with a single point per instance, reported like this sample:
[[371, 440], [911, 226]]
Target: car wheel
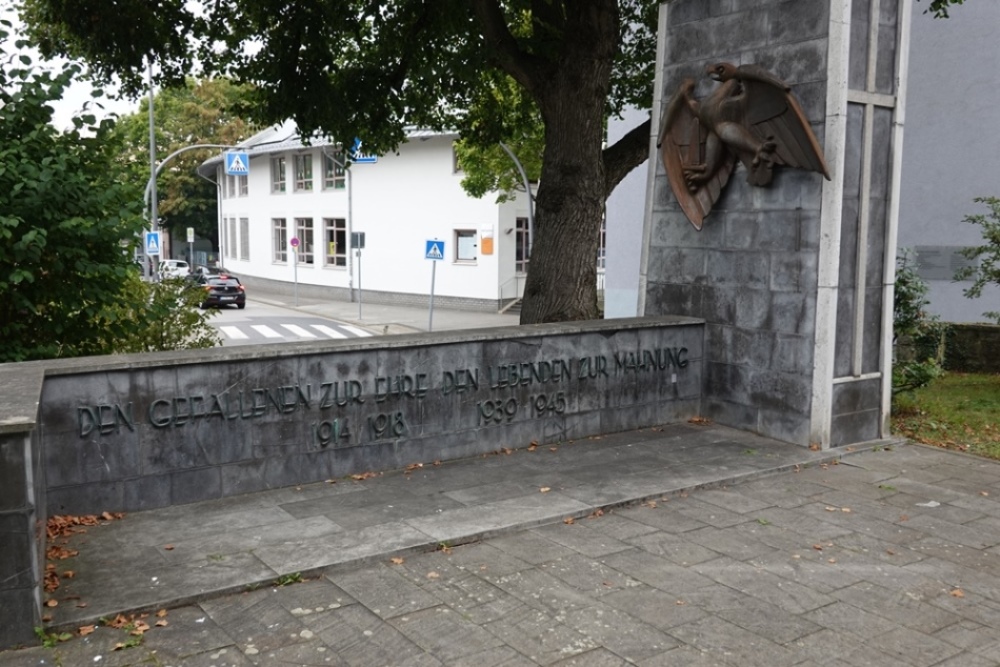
[[241, 306], [203, 306]]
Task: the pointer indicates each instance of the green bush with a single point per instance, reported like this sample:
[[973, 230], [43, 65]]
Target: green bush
[[918, 337]]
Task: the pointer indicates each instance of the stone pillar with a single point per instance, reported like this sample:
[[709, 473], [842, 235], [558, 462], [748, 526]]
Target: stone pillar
[[22, 539], [795, 279]]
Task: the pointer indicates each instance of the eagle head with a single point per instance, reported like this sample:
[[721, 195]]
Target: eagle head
[[721, 71]]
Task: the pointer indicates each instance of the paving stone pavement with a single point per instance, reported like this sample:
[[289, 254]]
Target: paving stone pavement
[[887, 557]]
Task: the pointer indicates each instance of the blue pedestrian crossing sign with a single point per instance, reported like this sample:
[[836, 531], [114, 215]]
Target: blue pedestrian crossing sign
[[435, 250], [237, 164], [152, 243], [357, 156]]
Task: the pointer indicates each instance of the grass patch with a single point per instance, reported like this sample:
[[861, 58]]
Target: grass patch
[[958, 411]]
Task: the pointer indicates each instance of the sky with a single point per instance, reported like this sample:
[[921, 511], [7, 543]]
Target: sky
[[78, 94]]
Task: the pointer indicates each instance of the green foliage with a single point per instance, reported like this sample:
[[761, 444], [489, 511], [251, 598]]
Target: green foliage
[[288, 579], [197, 112], [957, 411], [52, 639], [918, 338], [69, 221], [169, 320], [987, 255], [939, 8]]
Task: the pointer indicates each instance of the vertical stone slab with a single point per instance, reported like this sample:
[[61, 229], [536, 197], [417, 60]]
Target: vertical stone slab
[[22, 508], [794, 280]]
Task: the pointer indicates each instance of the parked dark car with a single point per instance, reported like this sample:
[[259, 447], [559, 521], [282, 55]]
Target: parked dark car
[[222, 290]]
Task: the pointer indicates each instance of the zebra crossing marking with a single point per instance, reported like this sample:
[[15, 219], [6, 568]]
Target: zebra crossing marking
[[234, 333], [332, 333], [299, 331], [266, 331], [360, 333]]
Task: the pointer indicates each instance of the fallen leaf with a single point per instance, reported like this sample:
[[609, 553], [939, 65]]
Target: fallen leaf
[[544, 489], [68, 574], [81, 605], [814, 446], [162, 623], [650, 504], [51, 602], [984, 493], [569, 520], [86, 630], [830, 509], [168, 547], [607, 584], [507, 450], [832, 560], [47, 617], [533, 446], [680, 603], [433, 575], [396, 561], [119, 646], [161, 613], [796, 556], [890, 552], [699, 420], [414, 466], [818, 547], [596, 513], [437, 463], [331, 481], [903, 517], [957, 593], [139, 629], [846, 510]]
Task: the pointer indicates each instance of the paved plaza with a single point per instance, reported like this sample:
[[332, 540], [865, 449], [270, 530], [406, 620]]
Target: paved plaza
[[690, 544]]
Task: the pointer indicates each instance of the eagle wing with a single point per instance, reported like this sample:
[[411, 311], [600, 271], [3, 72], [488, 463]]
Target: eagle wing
[[772, 113], [682, 143]]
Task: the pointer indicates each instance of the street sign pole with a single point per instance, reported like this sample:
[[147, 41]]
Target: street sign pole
[[434, 251], [294, 242], [358, 252], [430, 320]]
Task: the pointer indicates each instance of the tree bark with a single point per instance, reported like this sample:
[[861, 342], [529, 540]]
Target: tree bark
[[562, 274]]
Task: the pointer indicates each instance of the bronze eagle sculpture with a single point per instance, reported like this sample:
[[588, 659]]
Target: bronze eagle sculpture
[[752, 117]]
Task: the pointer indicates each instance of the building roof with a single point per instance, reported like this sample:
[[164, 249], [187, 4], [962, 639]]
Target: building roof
[[285, 137]]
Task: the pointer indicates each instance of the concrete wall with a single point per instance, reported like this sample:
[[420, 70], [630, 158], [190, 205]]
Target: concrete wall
[[791, 278], [135, 432], [168, 430], [952, 149]]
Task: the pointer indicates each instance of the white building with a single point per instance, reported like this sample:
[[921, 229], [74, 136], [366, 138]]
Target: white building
[[295, 220]]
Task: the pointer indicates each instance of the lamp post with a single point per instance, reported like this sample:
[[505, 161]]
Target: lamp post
[[527, 189]]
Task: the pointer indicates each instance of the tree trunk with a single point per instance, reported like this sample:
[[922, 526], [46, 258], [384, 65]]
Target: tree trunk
[[562, 273]]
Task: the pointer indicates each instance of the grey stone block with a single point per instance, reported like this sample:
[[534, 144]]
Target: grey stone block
[[871, 351], [18, 617], [784, 425], [795, 20], [885, 66], [851, 397], [745, 268], [855, 427], [794, 272], [686, 11], [188, 486], [797, 63], [753, 308], [16, 567], [14, 471], [92, 498], [844, 339]]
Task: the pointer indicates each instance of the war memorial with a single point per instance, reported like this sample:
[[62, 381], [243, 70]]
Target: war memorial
[[766, 291]]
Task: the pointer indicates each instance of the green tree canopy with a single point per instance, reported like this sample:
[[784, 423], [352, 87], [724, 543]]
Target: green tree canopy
[[198, 112], [351, 68], [69, 221]]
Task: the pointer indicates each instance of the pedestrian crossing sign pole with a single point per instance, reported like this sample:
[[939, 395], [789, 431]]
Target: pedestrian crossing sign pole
[[434, 250], [153, 244]]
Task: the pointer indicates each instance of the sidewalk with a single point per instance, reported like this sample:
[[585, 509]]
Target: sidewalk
[[685, 545]]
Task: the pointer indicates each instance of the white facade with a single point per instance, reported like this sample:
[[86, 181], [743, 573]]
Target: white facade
[[399, 203]]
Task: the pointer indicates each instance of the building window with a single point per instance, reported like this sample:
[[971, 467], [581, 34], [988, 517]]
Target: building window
[[465, 245], [335, 235], [231, 246], [303, 173], [277, 174], [279, 235], [334, 174], [245, 239], [522, 239], [244, 182], [230, 186], [304, 233]]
